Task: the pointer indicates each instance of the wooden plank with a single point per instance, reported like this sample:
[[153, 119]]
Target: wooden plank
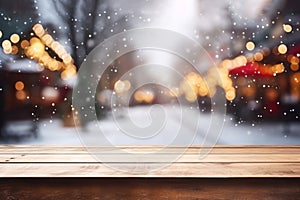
[[192, 149], [220, 170], [153, 188], [227, 172], [237, 161], [116, 158]]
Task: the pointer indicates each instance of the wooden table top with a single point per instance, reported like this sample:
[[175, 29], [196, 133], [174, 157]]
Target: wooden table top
[[220, 162]]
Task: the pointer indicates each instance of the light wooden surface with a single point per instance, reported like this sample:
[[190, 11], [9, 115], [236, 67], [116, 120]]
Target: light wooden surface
[[222, 161]]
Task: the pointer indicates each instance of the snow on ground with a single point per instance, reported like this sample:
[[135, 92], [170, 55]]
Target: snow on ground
[[169, 125]]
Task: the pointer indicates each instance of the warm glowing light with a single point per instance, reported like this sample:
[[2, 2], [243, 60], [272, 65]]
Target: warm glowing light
[[52, 65], [119, 86], [21, 95], [54, 45], [287, 28], [15, 38], [38, 30], [296, 77], [1, 34], [191, 97], [277, 69], [34, 40], [37, 49], [294, 60], [24, 44], [47, 39], [127, 85], [258, 56], [68, 72], [240, 61], [61, 52], [67, 58], [230, 94], [122, 86], [227, 64], [6, 44], [294, 67], [7, 50], [282, 49], [144, 96], [15, 50], [19, 85], [250, 45], [203, 90]]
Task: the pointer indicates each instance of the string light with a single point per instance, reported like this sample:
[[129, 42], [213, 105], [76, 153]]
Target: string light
[[14, 38], [35, 49], [19, 85], [250, 46], [287, 28], [282, 49]]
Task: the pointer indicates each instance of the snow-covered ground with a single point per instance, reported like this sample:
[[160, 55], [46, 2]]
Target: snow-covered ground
[[171, 126]]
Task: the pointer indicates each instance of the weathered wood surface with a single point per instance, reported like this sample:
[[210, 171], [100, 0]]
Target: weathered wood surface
[[222, 161], [227, 172], [150, 188]]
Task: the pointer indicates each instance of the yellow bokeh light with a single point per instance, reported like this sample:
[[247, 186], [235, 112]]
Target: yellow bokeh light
[[68, 72], [54, 45], [240, 61], [230, 94], [61, 52], [67, 58], [226, 64], [47, 39], [21, 95], [52, 65], [38, 30], [119, 86], [8, 50], [250, 46], [122, 86], [6, 44], [24, 44], [294, 67], [19, 85], [144, 96], [34, 40], [15, 50], [1, 34], [294, 60], [287, 28], [203, 90], [277, 69], [37, 49], [282, 49], [127, 85], [258, 56], [15, 38], [296, 77], [191, 97]]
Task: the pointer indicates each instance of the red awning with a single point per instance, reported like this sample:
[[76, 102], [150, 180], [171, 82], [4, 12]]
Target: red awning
[[250, 69]]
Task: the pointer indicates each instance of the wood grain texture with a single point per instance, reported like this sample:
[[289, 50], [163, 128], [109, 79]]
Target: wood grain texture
[[221, 161], [150, 188], [226, 172]]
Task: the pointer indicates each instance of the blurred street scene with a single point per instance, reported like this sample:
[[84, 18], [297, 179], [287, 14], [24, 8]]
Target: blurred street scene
[[241, 87]]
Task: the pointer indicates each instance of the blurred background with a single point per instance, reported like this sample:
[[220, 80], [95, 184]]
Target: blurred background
[[253, 48]]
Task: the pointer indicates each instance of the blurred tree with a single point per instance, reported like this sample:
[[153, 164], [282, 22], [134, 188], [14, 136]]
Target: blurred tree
[[82, 24]]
